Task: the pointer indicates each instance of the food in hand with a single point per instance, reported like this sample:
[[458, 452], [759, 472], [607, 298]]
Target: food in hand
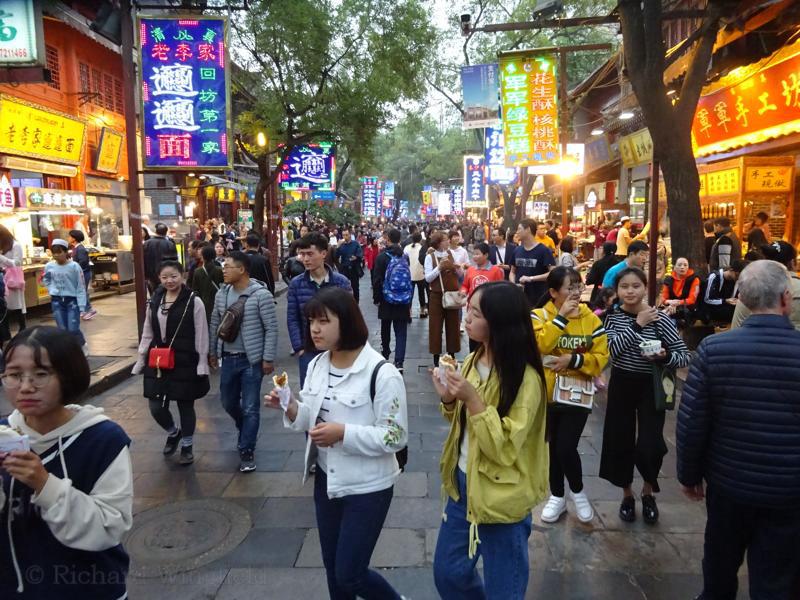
[[280, 380], [446, 363], [12, 440]]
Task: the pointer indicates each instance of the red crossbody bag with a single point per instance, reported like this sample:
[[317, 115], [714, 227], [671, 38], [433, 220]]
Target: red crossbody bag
[[164, 358]]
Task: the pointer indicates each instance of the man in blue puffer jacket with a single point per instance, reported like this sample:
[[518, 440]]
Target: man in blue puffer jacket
[[312, 249], [739, 430]]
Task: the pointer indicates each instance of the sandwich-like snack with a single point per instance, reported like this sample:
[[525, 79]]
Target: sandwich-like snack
[[12, 440], [446, 363], [280, 380]]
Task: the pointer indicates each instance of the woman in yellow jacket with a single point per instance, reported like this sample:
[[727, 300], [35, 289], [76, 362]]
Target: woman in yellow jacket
[[494, 463], [573, 343]]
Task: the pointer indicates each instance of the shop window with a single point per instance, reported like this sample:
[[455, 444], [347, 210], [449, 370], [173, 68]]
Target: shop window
[[161, 182], [54, 66], [83, 70], [118, 106], [97, 88], [108, 91]]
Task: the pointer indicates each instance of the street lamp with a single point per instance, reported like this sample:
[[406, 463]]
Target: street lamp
[[261, 139]]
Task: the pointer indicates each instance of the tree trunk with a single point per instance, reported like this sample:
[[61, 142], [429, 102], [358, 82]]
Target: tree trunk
[[261, 192], [683, 204]]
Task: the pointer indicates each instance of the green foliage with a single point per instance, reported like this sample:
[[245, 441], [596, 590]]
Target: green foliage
[[325, 69], [326, 213]]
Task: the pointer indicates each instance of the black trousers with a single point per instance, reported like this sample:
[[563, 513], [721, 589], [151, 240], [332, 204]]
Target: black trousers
[[771, 538], [633, 433], [422, 291], [161, 413], [566, 425], [355, 282]]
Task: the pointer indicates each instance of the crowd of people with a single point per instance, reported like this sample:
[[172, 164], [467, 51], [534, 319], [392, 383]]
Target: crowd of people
[[541, 348]]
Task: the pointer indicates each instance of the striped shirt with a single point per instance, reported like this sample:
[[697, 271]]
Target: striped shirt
[[334, 378], [625, 335]]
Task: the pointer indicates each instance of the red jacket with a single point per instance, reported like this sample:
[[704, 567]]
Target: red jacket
[[370, 254], [674, 288]]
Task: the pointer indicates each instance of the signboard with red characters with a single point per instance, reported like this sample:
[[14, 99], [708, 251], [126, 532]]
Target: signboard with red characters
[[185, 93], [752, 106]]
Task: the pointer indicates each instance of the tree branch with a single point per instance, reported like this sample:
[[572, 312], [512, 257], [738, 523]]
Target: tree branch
[[455, 103]]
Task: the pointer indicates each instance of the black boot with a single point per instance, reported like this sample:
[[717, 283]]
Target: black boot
[[172, 443], [627, 510], [435, 360], [649, 509], [187, 457]]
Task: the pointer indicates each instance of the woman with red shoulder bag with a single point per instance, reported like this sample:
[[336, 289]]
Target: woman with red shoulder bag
[[173, 355]]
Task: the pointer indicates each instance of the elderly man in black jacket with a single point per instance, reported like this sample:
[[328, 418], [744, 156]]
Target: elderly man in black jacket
[[739, 431]]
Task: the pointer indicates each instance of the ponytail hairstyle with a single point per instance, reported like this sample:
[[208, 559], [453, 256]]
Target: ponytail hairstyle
[[511, 340]]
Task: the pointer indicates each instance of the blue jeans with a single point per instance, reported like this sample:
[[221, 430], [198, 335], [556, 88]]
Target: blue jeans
[[87, 279], [348, 531], [240, 392], [303, 362], [400, 336], [504, 548], [67, 315]]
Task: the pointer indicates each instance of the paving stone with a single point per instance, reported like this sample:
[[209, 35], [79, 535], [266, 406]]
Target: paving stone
[[411, 485], [395, 548], [286, 512], [416, 513], [273, 583], [674, 517], [268, 485], [180, 485], [266, 548]]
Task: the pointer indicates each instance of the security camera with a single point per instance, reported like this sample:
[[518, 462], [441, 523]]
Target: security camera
[[465, 24], [547, 8]]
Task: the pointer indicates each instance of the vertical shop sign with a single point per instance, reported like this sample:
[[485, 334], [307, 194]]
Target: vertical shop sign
[[529, 98], [496, 170], [474, 189], [185, 92], [457, 200], [369, 196]]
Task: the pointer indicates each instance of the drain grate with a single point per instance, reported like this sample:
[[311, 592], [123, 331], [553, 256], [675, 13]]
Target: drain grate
[[183, 536]]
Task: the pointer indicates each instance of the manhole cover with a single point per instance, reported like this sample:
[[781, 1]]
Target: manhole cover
[[183, 536]]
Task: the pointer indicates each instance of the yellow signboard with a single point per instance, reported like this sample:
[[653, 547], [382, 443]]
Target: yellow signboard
[[108, 151], [30, 130], [703, 185], [637, 148], [768, 179], [723, 183]]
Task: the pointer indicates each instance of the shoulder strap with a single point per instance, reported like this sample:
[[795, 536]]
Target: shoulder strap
[[373, 382], [189, 302]]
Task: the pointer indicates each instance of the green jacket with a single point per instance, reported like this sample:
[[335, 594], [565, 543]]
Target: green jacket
[[507, 459]]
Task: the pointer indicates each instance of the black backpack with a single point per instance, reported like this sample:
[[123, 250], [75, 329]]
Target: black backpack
[[231, 321]]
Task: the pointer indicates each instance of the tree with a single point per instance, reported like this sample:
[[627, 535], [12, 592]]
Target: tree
[[445, 76], [670, 123], [327, 70]]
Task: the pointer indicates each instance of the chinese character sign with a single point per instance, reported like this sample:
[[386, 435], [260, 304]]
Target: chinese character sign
[[388, 194], [528, 94], [496, 170], [457, 200], [21, 39], [369, 196], [185, 84], [474, 189], [740, 111], [108, 151], [479, 87], [443, 204], [769, 179], [309, 167]]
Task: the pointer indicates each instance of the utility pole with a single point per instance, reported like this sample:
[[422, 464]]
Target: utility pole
[[134, 199]]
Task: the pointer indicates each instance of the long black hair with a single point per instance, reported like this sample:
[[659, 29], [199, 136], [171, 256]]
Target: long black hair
[[511, 340], [555, 281]]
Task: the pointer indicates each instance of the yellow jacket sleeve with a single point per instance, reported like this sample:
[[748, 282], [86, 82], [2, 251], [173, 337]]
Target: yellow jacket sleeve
[[448, 412], [547, 330], [595, 359], [499, 439]]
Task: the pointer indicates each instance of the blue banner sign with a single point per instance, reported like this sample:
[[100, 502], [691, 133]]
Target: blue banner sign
[[309, 167], [496, 170]]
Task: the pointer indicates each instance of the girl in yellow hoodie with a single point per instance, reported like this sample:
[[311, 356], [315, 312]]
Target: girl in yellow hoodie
[[494, 462], [573, 343]]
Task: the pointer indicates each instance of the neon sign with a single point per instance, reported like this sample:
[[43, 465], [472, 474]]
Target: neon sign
[[185, 93], [369, 196], [474, 190], [496, 170], [309, 167]]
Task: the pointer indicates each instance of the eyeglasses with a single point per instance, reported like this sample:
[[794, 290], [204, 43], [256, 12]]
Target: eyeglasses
[[577, 288], [227, 266], [38, 379]]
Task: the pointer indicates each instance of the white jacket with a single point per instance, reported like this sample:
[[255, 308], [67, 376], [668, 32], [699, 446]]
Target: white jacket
[[364, 461]]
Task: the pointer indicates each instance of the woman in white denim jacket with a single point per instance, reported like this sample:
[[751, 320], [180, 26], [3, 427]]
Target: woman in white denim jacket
[[352, 440]]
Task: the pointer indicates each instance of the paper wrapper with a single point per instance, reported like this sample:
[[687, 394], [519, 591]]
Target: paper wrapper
[[443, 374], [284, 395], [17, 444]]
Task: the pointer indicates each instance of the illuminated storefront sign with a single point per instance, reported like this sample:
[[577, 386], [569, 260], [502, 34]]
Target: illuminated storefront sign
[[750, 105], [496, 170], [44, 198], [388, 194], [185, 89], [108, 151], [30, 130], [529, 98], [443, 204], [637, 148], [369, 196], [726, 182], [21, 38], [474, 189], [6, 195], [309, 167], [426, 195], [768, 179], [457, 200]]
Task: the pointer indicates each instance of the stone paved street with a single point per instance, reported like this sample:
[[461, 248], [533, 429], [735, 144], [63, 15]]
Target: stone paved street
[[254, 535]]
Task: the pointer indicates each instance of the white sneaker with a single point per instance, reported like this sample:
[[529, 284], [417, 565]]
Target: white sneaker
[[85, 349], [554, 508], [583, 507]]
